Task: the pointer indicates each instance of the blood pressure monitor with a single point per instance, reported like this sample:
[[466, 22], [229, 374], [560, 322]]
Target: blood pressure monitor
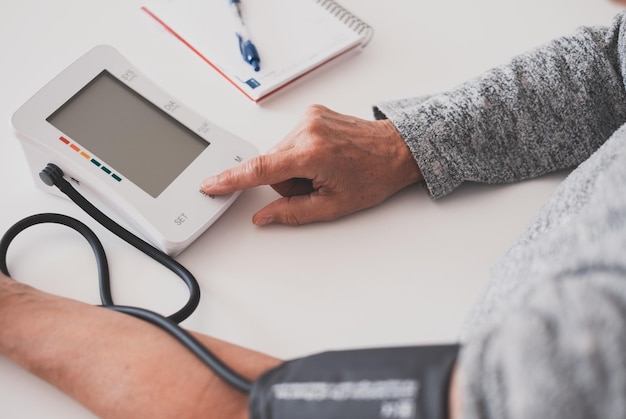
[[130, 147]]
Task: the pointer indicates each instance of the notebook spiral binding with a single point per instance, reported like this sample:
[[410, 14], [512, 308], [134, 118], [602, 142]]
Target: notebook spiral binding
[[348, 18]]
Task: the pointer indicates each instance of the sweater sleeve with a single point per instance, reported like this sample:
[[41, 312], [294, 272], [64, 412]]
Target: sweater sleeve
[[546, 110], [562, 356], [549, 340]]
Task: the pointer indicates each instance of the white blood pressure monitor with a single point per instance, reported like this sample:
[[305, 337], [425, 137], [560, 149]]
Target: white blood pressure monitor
[[129, 146]]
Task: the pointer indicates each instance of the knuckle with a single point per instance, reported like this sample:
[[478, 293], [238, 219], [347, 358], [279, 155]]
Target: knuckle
[[316, 111], [315, 120], [291, 219], [228, 177], [256, 168]]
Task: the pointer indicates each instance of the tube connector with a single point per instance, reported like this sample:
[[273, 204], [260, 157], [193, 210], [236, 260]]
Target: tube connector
[[51, 174]]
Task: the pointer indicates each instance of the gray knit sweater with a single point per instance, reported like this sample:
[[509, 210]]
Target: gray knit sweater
[[547, 337]]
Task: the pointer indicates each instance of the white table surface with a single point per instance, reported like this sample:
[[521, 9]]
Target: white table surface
[[405, 272]]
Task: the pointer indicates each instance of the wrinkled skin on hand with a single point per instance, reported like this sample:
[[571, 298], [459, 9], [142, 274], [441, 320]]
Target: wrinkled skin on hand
[[329, 165]]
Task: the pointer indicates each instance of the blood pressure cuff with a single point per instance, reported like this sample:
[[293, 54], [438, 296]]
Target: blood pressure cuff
[[402, 383]]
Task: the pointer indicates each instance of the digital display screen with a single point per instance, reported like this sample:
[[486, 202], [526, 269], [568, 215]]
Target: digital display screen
[[131, 134]]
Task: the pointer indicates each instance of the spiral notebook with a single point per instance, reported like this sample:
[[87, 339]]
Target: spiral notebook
[[293, 37]]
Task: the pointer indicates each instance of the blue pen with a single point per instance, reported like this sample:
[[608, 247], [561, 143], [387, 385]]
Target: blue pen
[[246, 47]]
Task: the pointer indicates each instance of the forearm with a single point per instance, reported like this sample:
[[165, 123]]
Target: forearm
[[115, 365], [546, 110], [119, 367]]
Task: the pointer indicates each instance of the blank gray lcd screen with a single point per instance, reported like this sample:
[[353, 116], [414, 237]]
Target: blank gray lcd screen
[[132, 135]]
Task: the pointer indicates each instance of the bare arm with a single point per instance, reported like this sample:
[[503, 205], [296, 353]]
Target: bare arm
[[121, 367], [455, 399], [115, 365]]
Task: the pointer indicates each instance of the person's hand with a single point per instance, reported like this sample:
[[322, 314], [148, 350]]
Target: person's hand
[[328, 166]]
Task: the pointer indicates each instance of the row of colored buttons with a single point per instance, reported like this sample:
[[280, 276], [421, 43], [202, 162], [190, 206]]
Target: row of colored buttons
[[88, 157]]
